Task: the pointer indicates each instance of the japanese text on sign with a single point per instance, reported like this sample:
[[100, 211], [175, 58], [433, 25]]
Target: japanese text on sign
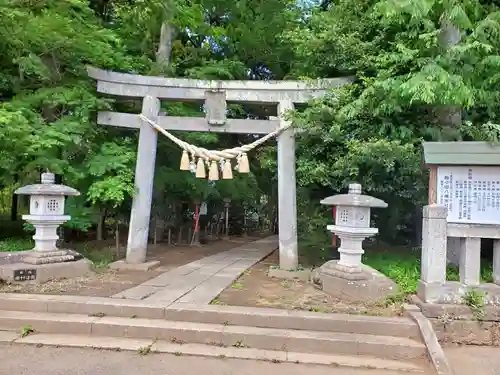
[[471, 194]]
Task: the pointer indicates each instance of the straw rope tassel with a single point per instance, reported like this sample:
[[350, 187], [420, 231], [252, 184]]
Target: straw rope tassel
[[213, 174], [185, 161], [214, 155], [200, 169], [227, 172], [243, 166]]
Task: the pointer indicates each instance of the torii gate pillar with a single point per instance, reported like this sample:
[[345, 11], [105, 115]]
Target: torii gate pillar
[[140, 214], [287, 193]]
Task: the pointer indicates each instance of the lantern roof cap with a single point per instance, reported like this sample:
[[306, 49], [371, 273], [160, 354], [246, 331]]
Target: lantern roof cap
[[354, 198], [47, 187]]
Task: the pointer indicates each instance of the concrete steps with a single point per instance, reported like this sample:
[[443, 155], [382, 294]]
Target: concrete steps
[[213, 314], [226, 331], [386, 347]]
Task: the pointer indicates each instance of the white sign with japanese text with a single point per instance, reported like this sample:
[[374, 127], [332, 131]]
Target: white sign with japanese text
[[472, 194]]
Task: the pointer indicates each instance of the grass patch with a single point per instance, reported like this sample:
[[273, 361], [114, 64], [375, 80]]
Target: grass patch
[[237, 286], [402, 264], [16, 244], [101, 257]]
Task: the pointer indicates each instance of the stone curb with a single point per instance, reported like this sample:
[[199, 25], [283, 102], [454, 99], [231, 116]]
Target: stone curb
[[147, 346], [434, 349], [121, 265], [456, 312]]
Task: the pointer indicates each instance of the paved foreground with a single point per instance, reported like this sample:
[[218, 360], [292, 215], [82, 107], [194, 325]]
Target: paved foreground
[[30, 360], [477, 360]]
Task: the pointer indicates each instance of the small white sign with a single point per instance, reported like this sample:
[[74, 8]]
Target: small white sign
[[203, 209], [472, 194]]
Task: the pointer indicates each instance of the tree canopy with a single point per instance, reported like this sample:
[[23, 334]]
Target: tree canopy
[[424, 70]]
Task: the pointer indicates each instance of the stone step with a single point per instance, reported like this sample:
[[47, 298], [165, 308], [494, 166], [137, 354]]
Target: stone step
[[214, 314], [145, 347], [295, 319], [304, 341]]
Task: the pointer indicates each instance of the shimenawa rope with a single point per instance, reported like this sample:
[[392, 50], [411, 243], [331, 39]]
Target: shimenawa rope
[[214, 155]]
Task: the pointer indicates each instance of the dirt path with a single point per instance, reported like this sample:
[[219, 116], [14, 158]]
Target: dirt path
[[255, 289]]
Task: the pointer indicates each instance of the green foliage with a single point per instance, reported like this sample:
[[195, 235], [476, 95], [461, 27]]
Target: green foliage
[[413, 73], [15, 244], [48, 104], [111, 171], [475, 300], [402, 264]]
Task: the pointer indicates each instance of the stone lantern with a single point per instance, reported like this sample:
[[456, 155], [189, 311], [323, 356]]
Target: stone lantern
[[348, 276], [46, 215], [352, 225]]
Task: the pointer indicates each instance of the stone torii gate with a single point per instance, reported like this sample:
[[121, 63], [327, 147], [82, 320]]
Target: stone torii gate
[[215, 94]]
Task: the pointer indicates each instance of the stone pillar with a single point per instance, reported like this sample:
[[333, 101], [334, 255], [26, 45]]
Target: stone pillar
[[470, 261], [496, 262], [144, 176], [287, 195], [434, 239]]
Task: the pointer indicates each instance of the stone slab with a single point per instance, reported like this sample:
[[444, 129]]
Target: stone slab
[[456, 311], [170, 277], [354, 362], [47, 272], [203, 294], [451, 292], [122, 265], [166, 297], [304, 275], [81, 341], [137, 292], [9, 336], [13, 257]]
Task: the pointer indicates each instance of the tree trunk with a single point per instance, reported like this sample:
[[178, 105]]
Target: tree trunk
[[449, 116], [15, 202], [164, 53], [117, 239], [13, 207], [100, 224]]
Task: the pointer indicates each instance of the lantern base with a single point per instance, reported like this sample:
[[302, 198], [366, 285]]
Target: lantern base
[[353, 284], [56, 256], [23, 273]]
